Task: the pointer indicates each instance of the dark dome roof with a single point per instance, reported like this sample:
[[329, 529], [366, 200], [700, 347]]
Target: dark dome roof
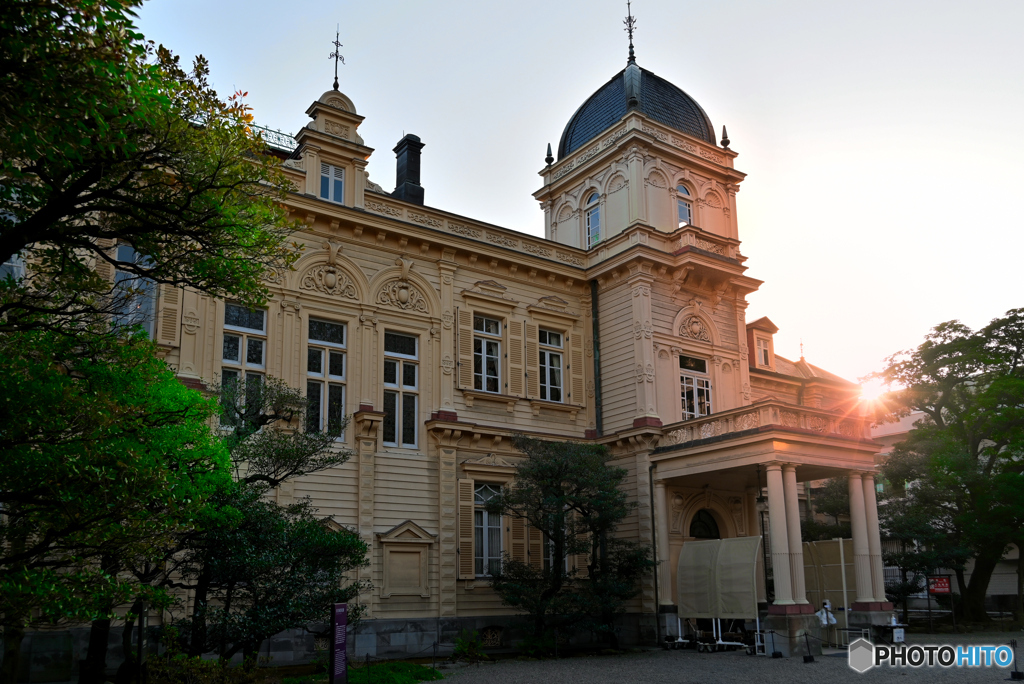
[[658, 99]]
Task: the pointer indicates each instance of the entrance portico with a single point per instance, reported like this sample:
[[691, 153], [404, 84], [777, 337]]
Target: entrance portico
[[717, 463]]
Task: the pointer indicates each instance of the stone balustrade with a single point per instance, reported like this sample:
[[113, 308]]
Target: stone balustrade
[[765, 415]]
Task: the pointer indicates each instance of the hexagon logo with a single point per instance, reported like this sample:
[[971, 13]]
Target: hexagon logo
[[862, 655]]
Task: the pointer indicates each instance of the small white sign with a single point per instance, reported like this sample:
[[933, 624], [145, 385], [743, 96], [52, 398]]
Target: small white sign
[[897, 635]]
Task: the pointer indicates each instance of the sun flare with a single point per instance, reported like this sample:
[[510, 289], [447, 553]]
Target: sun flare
[[872, 390]]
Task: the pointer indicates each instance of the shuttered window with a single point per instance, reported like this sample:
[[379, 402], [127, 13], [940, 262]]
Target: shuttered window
[[332, 183]]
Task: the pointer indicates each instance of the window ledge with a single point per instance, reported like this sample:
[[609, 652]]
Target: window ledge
[[471, 395], [538, 404]]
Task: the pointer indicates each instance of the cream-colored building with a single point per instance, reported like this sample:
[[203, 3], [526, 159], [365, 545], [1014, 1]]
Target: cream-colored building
[[442, 335]]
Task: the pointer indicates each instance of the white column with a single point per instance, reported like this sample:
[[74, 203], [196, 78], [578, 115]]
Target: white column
[[664, 562], [874, 538], [859, 525], [779, 537], [796, 545]]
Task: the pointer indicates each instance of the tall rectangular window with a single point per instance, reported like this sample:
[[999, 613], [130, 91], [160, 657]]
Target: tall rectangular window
[[593, 226], [763, 357], [326, 373], [332, 183], [696, 387], [243, 355], [401, 389], [486, 354], [486, 532], [550, 365], [135, 297]]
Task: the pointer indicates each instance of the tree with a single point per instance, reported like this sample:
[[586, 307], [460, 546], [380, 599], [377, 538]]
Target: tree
[[105, 457], [567, 492], [105, 139], [963, 464], [833, 499], [259, 567]]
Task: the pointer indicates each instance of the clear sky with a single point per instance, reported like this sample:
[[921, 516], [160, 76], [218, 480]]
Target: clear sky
[[883, 140]]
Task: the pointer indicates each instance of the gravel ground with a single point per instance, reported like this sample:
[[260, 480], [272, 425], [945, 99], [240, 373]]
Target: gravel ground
[[658, 666]]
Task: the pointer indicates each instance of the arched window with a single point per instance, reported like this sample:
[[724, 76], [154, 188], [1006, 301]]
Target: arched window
[[703, 525], [593, 220], [685, 208]]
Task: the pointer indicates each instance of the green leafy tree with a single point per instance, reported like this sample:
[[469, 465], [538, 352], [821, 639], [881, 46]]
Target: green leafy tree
[[259, 567], [960, 472], [832, 499], [106, 457], [105, 139], [567, 491]]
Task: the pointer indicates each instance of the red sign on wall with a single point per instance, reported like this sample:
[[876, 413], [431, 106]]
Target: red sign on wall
[[938, 585]]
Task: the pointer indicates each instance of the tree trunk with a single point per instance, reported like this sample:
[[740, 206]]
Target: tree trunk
[[94, 668], [13, 636], [974, 597], [197, 634], [126, 671], [1018, 608]]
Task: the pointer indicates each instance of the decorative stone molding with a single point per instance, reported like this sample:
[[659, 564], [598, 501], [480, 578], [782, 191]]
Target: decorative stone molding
[[569, 258], [447, 319], [503, 240], [464, 230], [190, 321], [425, 220], [644, 330], [381, 208], [402, 295], [447, 365], [694, 328], [536, 249], [337, 129]]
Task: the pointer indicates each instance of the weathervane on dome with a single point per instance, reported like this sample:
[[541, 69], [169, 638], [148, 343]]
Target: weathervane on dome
[[630, 22], [336, 55]]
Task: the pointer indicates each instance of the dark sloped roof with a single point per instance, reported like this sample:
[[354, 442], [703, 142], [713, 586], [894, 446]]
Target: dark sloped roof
[[659, 100]]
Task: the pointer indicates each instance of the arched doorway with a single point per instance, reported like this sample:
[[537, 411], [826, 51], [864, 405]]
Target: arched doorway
[[704, 525]]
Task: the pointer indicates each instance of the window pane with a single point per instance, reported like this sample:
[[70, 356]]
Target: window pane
[[313, 407], [690, 363], [390, 372], [315, 361], [322, 331], [335, 408], [253, 392], [552, 339], [409, 374], [325, 187], [399, 344], [478, 542], [409, 419], [493, 545], [490, 326], [390, 417], [254, 351], [339, 191], [232, 348], [681, 189], [229, 396], [337, 364], [241, 317]]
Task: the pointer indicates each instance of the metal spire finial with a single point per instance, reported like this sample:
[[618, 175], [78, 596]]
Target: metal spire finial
[[336, 55], [630, 22], [549, 159], [725, 138]]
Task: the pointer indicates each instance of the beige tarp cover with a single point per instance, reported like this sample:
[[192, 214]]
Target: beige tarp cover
[[720, 578]]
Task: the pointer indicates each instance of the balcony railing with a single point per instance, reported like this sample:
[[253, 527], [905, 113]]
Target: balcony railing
[[764, 415], [276, 139]]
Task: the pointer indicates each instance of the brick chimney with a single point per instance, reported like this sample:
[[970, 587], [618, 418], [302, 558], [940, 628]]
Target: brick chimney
[[407, 177]]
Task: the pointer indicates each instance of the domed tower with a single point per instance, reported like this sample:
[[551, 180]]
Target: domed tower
[[638, 151]]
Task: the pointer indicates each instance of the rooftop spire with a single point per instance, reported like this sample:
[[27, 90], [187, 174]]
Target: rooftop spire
[[336, 55], [630, 22]]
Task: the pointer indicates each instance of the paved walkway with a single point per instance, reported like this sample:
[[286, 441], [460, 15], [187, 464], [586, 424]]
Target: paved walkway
[[656, 667]]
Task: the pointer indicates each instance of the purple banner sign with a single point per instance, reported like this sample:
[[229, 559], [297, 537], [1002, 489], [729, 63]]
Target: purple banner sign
[[339, 653]]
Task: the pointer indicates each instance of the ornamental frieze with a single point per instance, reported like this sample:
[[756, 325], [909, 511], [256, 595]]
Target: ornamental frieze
[[694, 328]]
